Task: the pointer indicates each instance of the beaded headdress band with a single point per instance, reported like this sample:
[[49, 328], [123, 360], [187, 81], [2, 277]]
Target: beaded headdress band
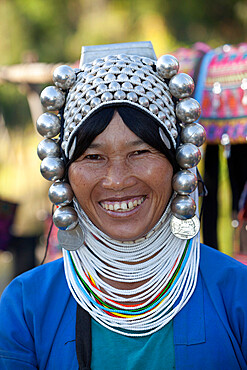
[[155, 87]]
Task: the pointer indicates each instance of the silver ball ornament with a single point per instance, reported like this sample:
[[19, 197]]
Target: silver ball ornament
[[119, 95], [188, 110], [183, 207], [48, 125], [188, 156], [52, 168], [65, 218], [181, 85], [52, 98], [64, 77], [167, 66], [184, 182], [193, 133], [60, 193], [48, 148]]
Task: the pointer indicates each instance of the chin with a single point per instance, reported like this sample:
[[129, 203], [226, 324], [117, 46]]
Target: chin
[[124, 236]]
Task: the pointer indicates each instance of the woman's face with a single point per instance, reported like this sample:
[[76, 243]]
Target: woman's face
[[122, 183]]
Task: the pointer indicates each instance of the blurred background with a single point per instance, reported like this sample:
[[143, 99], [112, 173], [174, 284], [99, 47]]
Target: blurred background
[[37, 35]]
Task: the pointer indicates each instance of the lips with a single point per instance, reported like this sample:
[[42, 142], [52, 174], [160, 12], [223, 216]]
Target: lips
[[122, 205]]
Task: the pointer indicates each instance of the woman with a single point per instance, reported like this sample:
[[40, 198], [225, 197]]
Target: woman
[[135, 290]]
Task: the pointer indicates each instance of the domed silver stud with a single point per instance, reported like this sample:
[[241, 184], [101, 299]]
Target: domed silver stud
[[86, 87], [97, 81], [98, 61], [183, 207], [90, 94], [101, 73], [188, 156], [60, 193], [181, 85], [52, 168], [127, 70], [85, 110], [151, 79], [127, 86], [140, 73], [89, 78], [114, 70], [139, 90], [77, 119], [114, 86], [107, 65], [135, 58], [147, 61], [135, 80], [48, 148], [64, 77], [151, 96], [184, 182], [174, 133], [121, 63], [110, 77], [193, 133], [73, 125], [95, 69], [188, 110], [167, 66], [144, 101], [122, 77], [48, 125], [119, 95], [101, 88], [162, 116], [65, 218], [157, 91], [80, 102], [147, 84], [106, 96], [94, 102], [52, 98], [153, 109], [131, 96]]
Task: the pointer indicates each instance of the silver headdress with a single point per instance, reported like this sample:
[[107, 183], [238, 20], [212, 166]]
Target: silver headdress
[[132, 78]]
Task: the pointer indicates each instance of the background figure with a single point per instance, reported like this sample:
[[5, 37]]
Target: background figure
[[224, 116], [221, 79]]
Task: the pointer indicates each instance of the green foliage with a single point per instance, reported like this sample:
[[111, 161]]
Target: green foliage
[[213, 21], [37, 25], [14, 107]]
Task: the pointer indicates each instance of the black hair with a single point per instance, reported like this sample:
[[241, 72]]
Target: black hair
[[138, 121]]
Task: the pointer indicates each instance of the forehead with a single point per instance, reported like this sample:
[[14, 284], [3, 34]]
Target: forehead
[[116, 133]]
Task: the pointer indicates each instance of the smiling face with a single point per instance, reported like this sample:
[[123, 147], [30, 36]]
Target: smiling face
[[122, 183]]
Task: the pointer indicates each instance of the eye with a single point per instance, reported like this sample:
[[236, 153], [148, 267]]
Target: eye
[[140, 152], [93, 157]]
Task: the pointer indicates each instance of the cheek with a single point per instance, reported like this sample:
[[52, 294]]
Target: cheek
[[158, 175], [79, 179]]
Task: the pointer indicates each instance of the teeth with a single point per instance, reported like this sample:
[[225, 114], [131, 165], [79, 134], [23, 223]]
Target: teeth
[[130, 205], [122, 206], [116, 206]]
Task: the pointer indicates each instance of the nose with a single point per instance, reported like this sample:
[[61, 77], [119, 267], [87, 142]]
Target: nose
[[118, 176]]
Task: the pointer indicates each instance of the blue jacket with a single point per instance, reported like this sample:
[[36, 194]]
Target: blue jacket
[[38, 313]]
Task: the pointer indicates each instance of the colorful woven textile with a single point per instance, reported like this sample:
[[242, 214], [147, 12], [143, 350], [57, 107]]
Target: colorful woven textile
[[190, 57], [224, 96]]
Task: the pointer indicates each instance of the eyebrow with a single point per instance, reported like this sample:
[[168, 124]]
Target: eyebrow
[[129, 144]]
